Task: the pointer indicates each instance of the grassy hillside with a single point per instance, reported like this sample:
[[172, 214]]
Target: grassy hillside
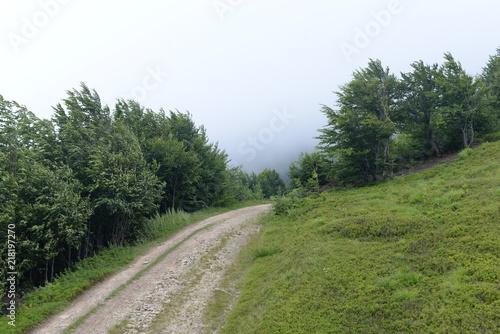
[[416, 254]]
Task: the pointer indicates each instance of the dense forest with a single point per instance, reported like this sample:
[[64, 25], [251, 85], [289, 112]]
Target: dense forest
[[90, 177], [383, 123]]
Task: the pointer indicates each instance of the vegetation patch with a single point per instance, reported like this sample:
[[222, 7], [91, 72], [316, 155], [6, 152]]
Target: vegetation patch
[[393, 257], [260, 252], [378, 228]]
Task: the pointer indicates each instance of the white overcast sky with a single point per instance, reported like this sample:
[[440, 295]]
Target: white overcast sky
[[253, 72]]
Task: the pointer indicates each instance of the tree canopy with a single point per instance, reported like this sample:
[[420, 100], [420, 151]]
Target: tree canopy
[[384, 122], [89, 177]]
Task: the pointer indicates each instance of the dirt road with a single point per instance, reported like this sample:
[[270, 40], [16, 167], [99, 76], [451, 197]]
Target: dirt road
[[183, 282]]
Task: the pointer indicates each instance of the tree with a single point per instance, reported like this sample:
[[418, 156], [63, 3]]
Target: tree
[[271, 183], [418, 108], [239, 186], [178, 168], [197, 175], [491, 77], [40, 198], [311, 170], [359, 134], [462, 98], [51, 217], [211, 174], [83, 124], [123, 188]]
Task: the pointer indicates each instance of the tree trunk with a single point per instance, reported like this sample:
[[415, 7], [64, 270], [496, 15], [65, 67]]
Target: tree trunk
[[52, 269], [69, 255], [46, 271], [465, 136], [435, 147], [173, 194], [387, 153], [87, 242]]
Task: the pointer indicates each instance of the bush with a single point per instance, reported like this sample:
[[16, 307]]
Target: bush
[[492, 137], [261, 252], [466, 152], [283, 205], [163, 225]]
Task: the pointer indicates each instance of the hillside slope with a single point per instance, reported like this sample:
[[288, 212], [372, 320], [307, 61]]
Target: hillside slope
[[416, 254]]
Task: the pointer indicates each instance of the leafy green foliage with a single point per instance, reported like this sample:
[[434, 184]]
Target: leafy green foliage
[[286, 204], [490, 122], [384, 123], [271, 183], [416, 254], [241, 186], [358, 134], [461, 97], [91, 177], [311, 170], [417, 114]]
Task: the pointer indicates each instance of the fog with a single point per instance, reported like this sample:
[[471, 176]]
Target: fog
[[254, 73]]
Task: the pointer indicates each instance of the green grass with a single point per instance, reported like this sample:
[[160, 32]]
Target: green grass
[[56, 296], [416, 254], [227, 293]]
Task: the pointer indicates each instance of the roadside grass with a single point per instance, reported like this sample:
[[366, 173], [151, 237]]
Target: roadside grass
[[54, 297], [415, 254], [226, 296]]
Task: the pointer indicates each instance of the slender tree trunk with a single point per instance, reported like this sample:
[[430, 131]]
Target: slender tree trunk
[[173, 194], [472, 135], [435, 147], [387, 153], [52, 269], [465, 136], [46, 271], [69, 255], [87, 242]]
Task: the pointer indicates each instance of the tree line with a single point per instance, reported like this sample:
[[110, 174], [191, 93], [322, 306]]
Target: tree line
[[383, 123], [90, 176]]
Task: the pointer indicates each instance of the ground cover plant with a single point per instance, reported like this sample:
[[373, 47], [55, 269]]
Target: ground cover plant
[[415, 254]]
